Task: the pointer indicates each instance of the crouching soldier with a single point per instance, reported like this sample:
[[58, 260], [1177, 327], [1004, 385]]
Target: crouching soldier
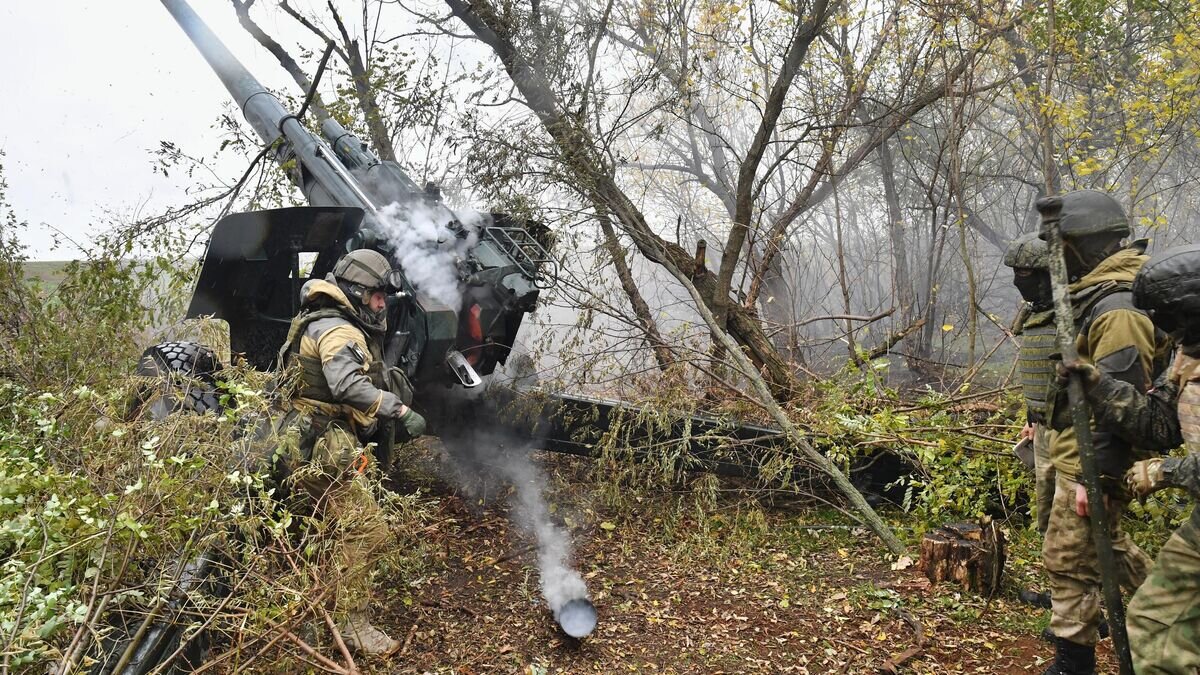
[[1121, 340], [342, 396], [1164, 616]]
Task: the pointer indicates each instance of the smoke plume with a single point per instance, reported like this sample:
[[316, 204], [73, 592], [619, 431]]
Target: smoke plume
[[427, 249], [561, 583], [479, 461]]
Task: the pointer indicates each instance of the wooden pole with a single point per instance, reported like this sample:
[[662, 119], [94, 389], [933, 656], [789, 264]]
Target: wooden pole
[[1051, 209]]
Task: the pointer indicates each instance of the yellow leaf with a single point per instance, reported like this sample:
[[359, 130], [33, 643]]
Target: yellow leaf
[[608, 525], [947, 327]]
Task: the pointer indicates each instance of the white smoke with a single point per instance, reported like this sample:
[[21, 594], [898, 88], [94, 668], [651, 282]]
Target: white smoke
[[561, 583], [479, 461], [427, 249]]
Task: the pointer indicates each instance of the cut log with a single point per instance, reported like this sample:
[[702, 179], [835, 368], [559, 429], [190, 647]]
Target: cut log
[[970, 555]]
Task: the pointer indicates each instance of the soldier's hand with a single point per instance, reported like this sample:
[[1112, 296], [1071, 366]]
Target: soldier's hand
[[1081, 501], [1145, 477], [413, 423], [1088, 373]]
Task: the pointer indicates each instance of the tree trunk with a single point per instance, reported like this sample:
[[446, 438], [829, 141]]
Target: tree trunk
[[843, 282], [902, 282], [360, 75], [970, 555], [662, 352]]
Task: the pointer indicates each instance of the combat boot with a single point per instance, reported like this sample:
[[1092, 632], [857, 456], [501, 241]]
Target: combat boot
[[364, 638], [1072, 658]]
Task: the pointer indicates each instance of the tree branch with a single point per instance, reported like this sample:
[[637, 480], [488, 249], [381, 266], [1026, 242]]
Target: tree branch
[[805, 33]]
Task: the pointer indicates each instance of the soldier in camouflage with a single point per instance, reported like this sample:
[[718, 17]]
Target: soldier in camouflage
[[1027, 258], [1164, 616], [1122, 342], [342, 401]]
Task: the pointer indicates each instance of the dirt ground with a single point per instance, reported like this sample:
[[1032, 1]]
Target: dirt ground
[[742, 588]]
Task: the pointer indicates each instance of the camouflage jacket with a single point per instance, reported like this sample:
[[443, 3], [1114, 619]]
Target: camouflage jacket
[[1162, 419], [1149, 419], [342, 373], [1123, 343]]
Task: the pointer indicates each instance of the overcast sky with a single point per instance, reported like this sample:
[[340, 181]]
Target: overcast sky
[[91, 87]]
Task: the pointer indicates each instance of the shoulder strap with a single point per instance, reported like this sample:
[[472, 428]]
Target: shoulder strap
[[1086, 304], [292, 344]]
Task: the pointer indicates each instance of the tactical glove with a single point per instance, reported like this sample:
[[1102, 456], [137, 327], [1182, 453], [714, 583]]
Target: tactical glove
[[414, 424], [1088, 373], [1145, 477]]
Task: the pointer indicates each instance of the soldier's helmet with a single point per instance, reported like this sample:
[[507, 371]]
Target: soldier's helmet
[[361, 273], [1168, 289], [1084, 213], [1027, 251]]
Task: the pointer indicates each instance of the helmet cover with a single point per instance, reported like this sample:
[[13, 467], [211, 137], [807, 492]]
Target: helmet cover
[[1028, 251], [361, 273], [1168, 288]]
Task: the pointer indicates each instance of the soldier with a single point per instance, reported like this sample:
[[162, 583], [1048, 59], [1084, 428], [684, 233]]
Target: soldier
[[1027, 258], [1121, 341], [342, 395], [1164, 616]]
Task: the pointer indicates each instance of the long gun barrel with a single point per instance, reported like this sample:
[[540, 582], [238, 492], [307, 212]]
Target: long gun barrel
[[322, 177], [252, 272]]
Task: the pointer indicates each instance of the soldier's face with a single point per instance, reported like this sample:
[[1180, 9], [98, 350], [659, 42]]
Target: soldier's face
[[1077, 264], [377, 301], [1034, 286]]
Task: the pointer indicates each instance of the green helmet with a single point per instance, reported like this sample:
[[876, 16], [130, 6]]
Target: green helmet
[[1084, 213], [1167, 288], [363, 267], [1093, 226], [1027, 251], [361, 273]]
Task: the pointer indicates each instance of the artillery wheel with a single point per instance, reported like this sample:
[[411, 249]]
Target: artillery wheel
[[181, 376]]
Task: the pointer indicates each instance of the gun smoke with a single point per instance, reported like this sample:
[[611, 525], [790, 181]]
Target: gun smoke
[[429, 241], [477, 464], [560, 582], [427, 248]]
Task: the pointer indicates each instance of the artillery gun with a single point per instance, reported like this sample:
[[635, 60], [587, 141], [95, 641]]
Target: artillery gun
[[257, 262]]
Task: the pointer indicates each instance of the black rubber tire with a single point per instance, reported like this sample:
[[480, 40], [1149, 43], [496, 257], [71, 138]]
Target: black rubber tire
[[196, 391]]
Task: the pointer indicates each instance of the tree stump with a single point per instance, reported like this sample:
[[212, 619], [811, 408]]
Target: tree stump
[[968, 554]]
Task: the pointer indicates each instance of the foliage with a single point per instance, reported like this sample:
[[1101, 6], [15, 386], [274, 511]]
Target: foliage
[[958, 451], [101, 508], [954, 456]]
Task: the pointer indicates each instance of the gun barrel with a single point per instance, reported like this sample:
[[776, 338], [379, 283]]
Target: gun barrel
[[323, 178], [386, 181], [262, 109]]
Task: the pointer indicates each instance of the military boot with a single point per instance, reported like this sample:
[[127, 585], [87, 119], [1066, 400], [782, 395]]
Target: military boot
[[1072, 658], [364, 638]]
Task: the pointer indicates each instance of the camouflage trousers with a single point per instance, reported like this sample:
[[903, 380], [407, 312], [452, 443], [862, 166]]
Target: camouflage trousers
[[1164, 616], [1044, 472], [1069, 556], [332, 488]]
